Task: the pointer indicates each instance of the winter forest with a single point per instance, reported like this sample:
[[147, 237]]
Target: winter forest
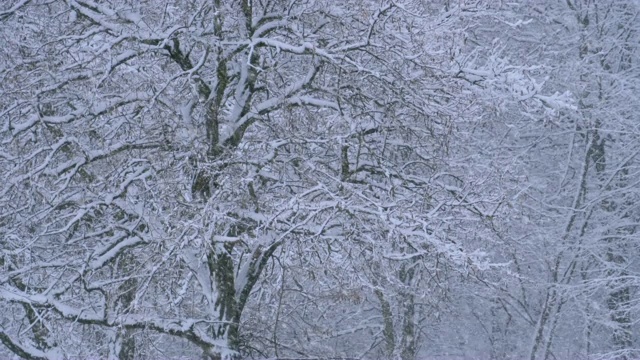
[[320, 179]]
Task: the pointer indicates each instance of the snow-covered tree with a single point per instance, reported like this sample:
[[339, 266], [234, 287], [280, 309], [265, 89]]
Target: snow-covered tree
[[158, 154], [295, 178]]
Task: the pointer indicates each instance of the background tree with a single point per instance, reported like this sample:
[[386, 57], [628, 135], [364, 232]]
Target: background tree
[[573, 207]]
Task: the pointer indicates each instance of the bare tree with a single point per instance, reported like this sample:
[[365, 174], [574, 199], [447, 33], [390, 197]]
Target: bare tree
[[159, 153]]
